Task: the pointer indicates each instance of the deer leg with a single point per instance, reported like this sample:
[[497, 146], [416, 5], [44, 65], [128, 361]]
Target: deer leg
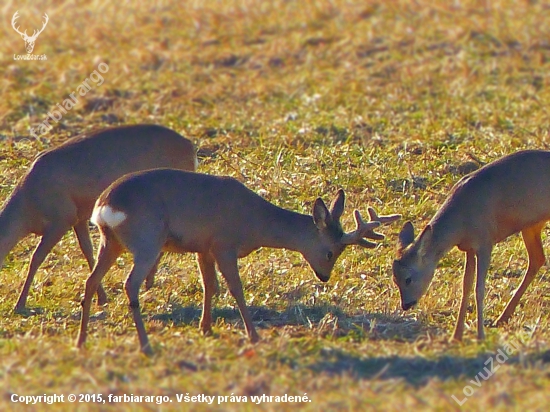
[[210, 286], [109, 250], [467, 283], [150, 279], [533, 244], [51, 236], [227, 263], [483, 260], [144, 262], [82, 233]]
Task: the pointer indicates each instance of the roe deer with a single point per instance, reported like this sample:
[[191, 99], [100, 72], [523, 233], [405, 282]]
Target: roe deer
[[60, 188], [509, 195], [219, 219]]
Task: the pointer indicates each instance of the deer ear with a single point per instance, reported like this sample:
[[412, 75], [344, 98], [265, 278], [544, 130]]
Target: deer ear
[[321, 215], [406, 236], [425, 238], [337, 205]]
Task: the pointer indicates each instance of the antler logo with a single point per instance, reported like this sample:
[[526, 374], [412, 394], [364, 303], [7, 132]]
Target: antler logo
[[29, 40]]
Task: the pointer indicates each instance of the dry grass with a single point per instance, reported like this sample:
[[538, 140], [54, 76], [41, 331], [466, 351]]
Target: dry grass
[[388, 100]]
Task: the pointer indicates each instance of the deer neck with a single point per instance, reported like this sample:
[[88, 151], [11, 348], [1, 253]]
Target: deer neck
[[284, 229], [447, 232], [13, 225]]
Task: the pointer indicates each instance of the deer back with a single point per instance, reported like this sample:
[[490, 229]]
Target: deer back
[[85, 165]]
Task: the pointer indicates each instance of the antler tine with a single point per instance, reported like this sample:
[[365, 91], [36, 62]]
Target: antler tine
[[368, 231], [36, 33], [13, 22], [364, 229], [14, 18], [385, 220], [46, 20]]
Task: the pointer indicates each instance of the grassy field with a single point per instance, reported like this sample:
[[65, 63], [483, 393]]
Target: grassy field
[[391, 100]]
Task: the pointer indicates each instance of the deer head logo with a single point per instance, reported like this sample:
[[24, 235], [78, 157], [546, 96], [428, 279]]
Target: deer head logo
[[29, 40]]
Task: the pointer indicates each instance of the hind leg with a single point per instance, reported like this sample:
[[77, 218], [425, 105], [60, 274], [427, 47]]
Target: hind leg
[[109, 250], [533, 244], [83, 235], [150, 279], [210, 285], [143, 264], [145, 242]]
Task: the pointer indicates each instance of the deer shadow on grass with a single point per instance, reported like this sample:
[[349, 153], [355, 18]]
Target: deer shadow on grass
[[321, 319], [262, 316], [419, 371], [416, 371], [187, 315]]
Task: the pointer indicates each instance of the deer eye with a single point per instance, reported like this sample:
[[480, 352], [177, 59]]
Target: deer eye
[[329, 256], [408, 281]]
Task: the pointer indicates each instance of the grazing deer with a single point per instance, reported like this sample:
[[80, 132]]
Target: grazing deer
[[60, 188], [219, 219], [507, 196], [29, 40]]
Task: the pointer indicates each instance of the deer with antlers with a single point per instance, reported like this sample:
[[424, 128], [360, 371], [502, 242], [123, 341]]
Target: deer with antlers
[[29, 40], [218, 218]]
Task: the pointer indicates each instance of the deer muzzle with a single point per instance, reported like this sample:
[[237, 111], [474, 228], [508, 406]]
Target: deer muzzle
[[321, 277]]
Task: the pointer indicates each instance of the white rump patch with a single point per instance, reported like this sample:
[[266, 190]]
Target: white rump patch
[[106, 215]]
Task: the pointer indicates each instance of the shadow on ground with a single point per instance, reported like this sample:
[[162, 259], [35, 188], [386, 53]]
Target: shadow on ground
[[416, 370], [330, 318]]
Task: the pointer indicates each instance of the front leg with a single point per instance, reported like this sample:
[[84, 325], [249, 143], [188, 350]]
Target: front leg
[[468, 281], [227, 263], [483, 261], [52, 235]]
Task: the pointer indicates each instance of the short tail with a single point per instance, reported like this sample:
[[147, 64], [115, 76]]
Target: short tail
[[105, 215]]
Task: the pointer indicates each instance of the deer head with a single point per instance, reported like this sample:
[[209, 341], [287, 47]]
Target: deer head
[[29, 40], [330, 240]]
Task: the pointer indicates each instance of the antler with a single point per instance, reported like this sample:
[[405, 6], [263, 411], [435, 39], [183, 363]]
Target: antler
[[365, 229], [13, 19], [35, 33]]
